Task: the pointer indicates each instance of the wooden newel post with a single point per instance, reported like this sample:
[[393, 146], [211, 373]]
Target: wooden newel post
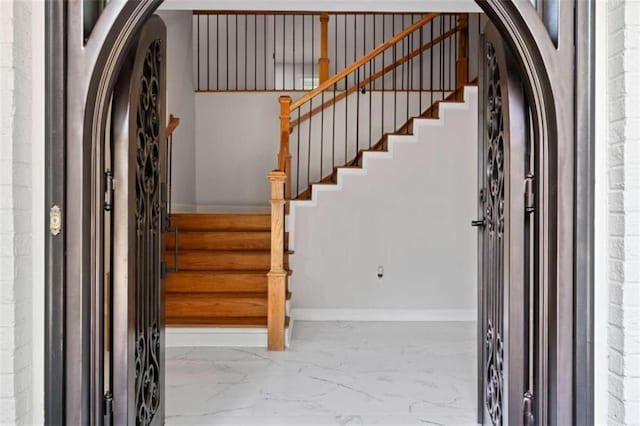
[[323, 61], [284, 156], [277, 276], [462, 63]]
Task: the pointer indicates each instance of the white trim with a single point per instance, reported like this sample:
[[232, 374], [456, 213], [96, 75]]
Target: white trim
[[215, 336], [311, 314], [250, 337], [333, 6]]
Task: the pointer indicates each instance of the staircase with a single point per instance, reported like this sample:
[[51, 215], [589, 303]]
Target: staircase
[[432, 112], [222, 265], [232, 271]]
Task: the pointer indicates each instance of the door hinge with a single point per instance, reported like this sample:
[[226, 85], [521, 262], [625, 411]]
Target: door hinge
[[527, 409], [108, 190], [55, 220], [108, 408], [529, 200]]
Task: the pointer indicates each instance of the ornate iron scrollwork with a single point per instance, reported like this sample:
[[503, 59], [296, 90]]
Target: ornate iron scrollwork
[[495, 224], [148, 239]]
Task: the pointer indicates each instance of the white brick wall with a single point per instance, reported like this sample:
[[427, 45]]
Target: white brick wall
[[624, 211], [15, 213]]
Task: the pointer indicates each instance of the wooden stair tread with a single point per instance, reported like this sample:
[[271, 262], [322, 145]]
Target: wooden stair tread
[[220, 240], [224, 280], [221, 221], [215, 260]]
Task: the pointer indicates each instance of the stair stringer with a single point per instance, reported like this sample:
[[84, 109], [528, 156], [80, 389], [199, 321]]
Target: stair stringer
[[419, 125]]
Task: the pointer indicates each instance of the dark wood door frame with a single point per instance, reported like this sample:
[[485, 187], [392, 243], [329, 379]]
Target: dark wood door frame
[[80, 77]]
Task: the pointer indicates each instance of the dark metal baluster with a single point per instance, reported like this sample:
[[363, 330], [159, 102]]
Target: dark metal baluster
[[227, 49], [395, 93], [236, 53], [442, 58], [284, 31], [333, 128], [404, 48], [421, 69], [321, 133], [264, 48], [371, 62], [246, 49], [313, 47], [384, 54], [198, 33], [255, 52], [346, 78], [346, 98], [431, 65], [274, 52], [304, 18], [355, 38], [407, 65], [208, 59], [455, 52], [357, 109], [298, 156], [217, 52], [335, 42], [309, 150], [451, 56], [293, 19]]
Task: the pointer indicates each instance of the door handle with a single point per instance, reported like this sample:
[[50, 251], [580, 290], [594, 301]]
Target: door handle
[[479, 223]]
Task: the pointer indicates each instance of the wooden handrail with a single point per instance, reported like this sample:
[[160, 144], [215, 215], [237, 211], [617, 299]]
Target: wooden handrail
[[378, 74], [363, 60], [277, 276], [173, 123]]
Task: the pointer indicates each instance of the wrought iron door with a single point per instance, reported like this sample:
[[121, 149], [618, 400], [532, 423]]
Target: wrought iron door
[[503, 346], [139, 163]]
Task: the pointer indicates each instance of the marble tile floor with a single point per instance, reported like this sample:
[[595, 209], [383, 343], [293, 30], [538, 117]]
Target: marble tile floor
[[334, 373]]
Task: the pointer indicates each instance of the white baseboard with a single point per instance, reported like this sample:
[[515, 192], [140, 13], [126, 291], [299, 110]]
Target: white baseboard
[[177, 337], [310, 314], [215, 336]]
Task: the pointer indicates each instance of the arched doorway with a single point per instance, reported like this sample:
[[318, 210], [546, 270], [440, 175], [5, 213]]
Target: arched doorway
[[82, 81]]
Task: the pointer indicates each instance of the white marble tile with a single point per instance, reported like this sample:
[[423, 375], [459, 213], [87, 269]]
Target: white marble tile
[[334, 373]]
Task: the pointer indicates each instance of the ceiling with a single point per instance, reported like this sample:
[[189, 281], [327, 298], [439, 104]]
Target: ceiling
[[326, 5]]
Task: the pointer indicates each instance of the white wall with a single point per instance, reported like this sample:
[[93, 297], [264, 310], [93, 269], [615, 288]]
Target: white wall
[[233, 155], [623, 42], [181, 103], [410, 213], [21, 212], [237, 140]]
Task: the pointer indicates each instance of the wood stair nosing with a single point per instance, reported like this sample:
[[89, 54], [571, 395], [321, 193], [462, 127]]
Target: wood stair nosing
[[221, 222], [216, 260], [219, 240], [216, 304], [223, 281]]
